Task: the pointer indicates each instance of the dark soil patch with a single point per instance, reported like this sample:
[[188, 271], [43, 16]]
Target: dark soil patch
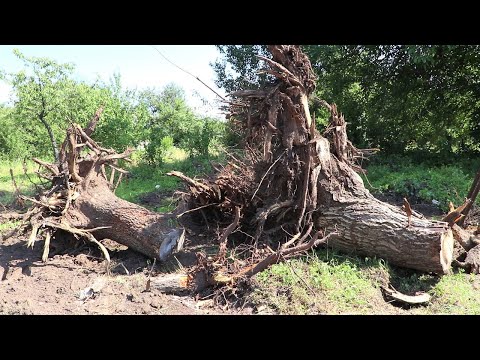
[[29, 286], [429, 210], [154, 198]]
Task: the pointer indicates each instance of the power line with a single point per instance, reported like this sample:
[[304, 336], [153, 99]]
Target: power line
[[189, 73]]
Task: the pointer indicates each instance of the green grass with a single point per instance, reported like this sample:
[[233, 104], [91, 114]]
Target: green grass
[[6, 187], [325, 283], [146, 179], [328, 282], [457, 294], [427, 183]]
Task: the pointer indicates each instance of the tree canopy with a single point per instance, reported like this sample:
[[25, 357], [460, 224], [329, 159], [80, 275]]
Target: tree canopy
[[401, 98], [48, 99]]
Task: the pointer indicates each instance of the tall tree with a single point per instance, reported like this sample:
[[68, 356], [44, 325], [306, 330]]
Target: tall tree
[[401, 98], [41, 89]]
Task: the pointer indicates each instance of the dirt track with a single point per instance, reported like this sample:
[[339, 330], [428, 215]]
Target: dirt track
[[29, 286]]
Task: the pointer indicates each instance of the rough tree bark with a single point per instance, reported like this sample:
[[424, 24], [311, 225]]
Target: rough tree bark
[[293, 186], [81, 199], [304, 178]]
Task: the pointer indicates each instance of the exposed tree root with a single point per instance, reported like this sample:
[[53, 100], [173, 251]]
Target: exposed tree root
[[294, 181], [80, 199]]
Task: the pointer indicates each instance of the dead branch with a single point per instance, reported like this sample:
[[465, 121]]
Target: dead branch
[[46, 246], [285, 254], [18, 196], [266, 173], [195, 209], [118, 182], [50, 167], [81, 232], [110, 157], [472, 195], [228, 231], [93, 123], [72, 155], [417, 299], [189, 181], [25, 172]]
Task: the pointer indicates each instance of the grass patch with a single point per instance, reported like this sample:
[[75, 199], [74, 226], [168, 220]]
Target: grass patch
[[8, 225], [442, 183], [145, 179], [328, 282], [323, 283], [456, 294], [26, 187]]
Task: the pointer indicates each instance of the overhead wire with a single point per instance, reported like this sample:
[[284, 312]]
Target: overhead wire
[[189, 73]]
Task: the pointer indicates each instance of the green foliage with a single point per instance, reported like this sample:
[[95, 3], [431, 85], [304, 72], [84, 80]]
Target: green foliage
[[145, 179], [420, 181], [10, 146], [202, 134], [124, 118], [42, 90], [420, 98], [48, 100], [238, 68], [169, 116], [406, 99]]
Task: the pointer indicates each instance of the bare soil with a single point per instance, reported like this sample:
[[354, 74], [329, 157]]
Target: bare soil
[[29, 286], [429, 210]]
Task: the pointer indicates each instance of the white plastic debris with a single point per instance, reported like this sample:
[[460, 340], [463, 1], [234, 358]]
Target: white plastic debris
[[435, 202], [157, 187]]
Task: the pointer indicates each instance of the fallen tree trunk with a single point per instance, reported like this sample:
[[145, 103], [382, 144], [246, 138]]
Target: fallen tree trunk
[[128, 223], [372, 228], [81, 200], [303, 177]]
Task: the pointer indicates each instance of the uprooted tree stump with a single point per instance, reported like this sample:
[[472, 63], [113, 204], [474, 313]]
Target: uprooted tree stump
[[292, 188], [294, 184], [81, 200]]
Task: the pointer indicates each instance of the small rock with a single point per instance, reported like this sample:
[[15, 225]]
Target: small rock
[[86, 293]]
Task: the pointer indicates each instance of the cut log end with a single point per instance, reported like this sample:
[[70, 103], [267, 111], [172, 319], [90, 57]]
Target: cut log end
[[446, 250]]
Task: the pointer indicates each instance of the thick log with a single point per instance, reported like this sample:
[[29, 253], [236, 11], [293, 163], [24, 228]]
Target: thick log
[[372, 228], [129, 224], [317, 180]]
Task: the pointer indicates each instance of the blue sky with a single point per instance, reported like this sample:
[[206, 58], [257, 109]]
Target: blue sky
[[140, 66]]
